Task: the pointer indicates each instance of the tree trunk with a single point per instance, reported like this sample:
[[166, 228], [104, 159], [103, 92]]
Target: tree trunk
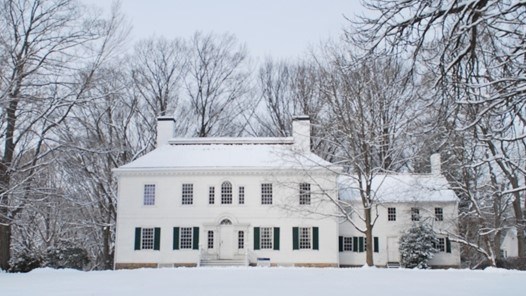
[[369, 238], [5, 245]]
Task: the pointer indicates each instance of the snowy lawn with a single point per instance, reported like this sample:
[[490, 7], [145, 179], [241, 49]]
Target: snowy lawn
[[265, 281]]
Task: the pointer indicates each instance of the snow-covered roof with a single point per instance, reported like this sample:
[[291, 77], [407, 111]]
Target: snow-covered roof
[[400, 188], [227, 154]]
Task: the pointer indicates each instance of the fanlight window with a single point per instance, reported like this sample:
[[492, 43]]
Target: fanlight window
[[226, 222]]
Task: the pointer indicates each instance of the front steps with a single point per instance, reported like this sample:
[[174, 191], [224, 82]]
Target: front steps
[[393, 264], [222, 262]]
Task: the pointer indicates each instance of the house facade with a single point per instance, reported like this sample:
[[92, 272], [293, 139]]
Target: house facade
[[240, 201]]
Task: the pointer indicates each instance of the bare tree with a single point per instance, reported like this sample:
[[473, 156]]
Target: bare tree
[[217, 81], [44, 77], [478, 49]]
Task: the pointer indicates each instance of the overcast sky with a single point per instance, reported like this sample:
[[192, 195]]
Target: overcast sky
[[279, 28]]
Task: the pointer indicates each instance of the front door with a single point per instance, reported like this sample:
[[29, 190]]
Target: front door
[[226, 247], [393, 254]]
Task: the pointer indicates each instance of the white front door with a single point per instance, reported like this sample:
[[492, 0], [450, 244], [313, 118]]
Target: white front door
[[226, 243], [393, 254]]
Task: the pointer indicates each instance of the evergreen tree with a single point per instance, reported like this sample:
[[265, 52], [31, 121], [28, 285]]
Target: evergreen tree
[[417, 246]]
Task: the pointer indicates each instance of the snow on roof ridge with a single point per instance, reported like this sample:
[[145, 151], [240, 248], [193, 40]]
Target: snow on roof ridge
[[232, 141]]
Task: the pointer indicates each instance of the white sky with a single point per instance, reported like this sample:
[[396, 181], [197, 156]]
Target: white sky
[[279, 28]]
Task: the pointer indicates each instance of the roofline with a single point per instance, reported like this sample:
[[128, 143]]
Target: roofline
[[232, 141]]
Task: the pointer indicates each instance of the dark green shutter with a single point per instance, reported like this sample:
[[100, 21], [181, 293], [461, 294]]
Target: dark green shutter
[[340, 243], [360, 244], [276, 238], [137, 238], [157, 239], [376, 245], [295, 238], [176, 238], [196, 239], [315, 238], [256, 238], [448, 245], [355, 244]]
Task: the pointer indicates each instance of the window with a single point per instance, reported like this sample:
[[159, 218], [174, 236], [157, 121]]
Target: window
[[439, 214], [211, 195], [266, 238], [149, 194], [188, 194], [391, 214], [441, 244], [147, 238], [304, 194], [266, 193], [186, 238], [415, 214], [357, 244], [347, 244], [305, 238], [226, 193], [241, 195], [210, 239], [240, 239]]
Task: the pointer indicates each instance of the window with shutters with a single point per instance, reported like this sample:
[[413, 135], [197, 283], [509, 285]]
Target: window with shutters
[[210, 239], [415, 214], [266, 193], [186, 238], [188, 194], [441, 244], [266, 238], [226, 193], [391, 214], [304, 194], [147, 238], [211, 195], [149, 195], [241, 195], [439, 214]]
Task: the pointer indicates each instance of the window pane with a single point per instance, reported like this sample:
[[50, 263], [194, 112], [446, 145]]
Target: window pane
[[305, 237], [266, 194], [188, 194], [149, 194], [226, 193], [211, 195], [241, 239], [439, 214], [210, 239], [347, 243], [415, 214], [266, 237], [186, 237], [391, 214], [304, 194], [241, 195], [147, 239]]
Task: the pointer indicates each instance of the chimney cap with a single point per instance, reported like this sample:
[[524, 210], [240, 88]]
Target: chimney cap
[[165, 118], [300, 117]]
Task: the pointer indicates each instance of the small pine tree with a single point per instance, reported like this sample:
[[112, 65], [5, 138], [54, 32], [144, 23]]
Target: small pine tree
[[417, 246]]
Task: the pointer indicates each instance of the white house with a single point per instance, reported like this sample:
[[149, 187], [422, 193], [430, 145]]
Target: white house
[[206, 201], [401, 201]]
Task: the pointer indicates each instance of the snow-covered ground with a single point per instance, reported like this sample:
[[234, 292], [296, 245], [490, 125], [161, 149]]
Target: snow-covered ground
[[264, 281]]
